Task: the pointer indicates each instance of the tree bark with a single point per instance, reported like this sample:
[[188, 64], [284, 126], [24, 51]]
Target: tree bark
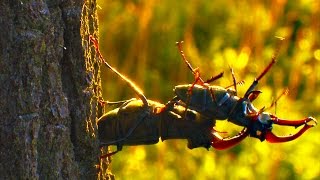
[[49, 90]]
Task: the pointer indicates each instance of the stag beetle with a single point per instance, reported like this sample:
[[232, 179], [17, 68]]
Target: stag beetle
[[220, 103], [143, 121]]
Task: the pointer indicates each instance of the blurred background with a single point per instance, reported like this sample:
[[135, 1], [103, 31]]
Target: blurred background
[[138, 38]]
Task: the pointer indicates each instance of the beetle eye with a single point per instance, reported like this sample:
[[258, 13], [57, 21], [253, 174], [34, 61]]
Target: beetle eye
[[264, 117]]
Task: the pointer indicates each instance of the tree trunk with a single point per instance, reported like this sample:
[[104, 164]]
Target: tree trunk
[[49, 87]]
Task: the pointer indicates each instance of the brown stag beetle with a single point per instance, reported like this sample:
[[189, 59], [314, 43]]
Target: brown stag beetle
[[219, 103]]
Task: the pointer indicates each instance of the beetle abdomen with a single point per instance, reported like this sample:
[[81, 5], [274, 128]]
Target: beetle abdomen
[[130, 124]]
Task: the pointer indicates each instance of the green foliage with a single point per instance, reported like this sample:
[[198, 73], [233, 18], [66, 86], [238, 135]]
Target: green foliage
[[138, 38]]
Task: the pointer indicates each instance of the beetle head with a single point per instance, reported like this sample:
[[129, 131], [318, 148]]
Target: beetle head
[[260, 125]]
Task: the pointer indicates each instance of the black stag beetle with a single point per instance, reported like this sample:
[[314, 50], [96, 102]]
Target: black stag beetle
[[191, 115], [220, 103]]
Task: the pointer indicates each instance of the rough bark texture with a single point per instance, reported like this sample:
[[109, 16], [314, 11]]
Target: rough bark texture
[[49, 86]]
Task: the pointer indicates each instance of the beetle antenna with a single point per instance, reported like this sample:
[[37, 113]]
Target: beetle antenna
[[273, 60], [275, 101], [240, 83], [128, 81], [234, 80]]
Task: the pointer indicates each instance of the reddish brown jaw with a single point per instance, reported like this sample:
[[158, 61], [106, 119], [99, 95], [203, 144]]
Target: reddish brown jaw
[[272, 138], [220, 143], [294, 123]]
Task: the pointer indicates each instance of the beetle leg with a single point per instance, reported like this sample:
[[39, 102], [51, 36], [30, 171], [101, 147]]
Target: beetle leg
[[213, 78], [253, 95], [296, 123], [109, 154], [221, 143], [197, 80], [195, 71], [112, 103], [128, 81], [264, 72]]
